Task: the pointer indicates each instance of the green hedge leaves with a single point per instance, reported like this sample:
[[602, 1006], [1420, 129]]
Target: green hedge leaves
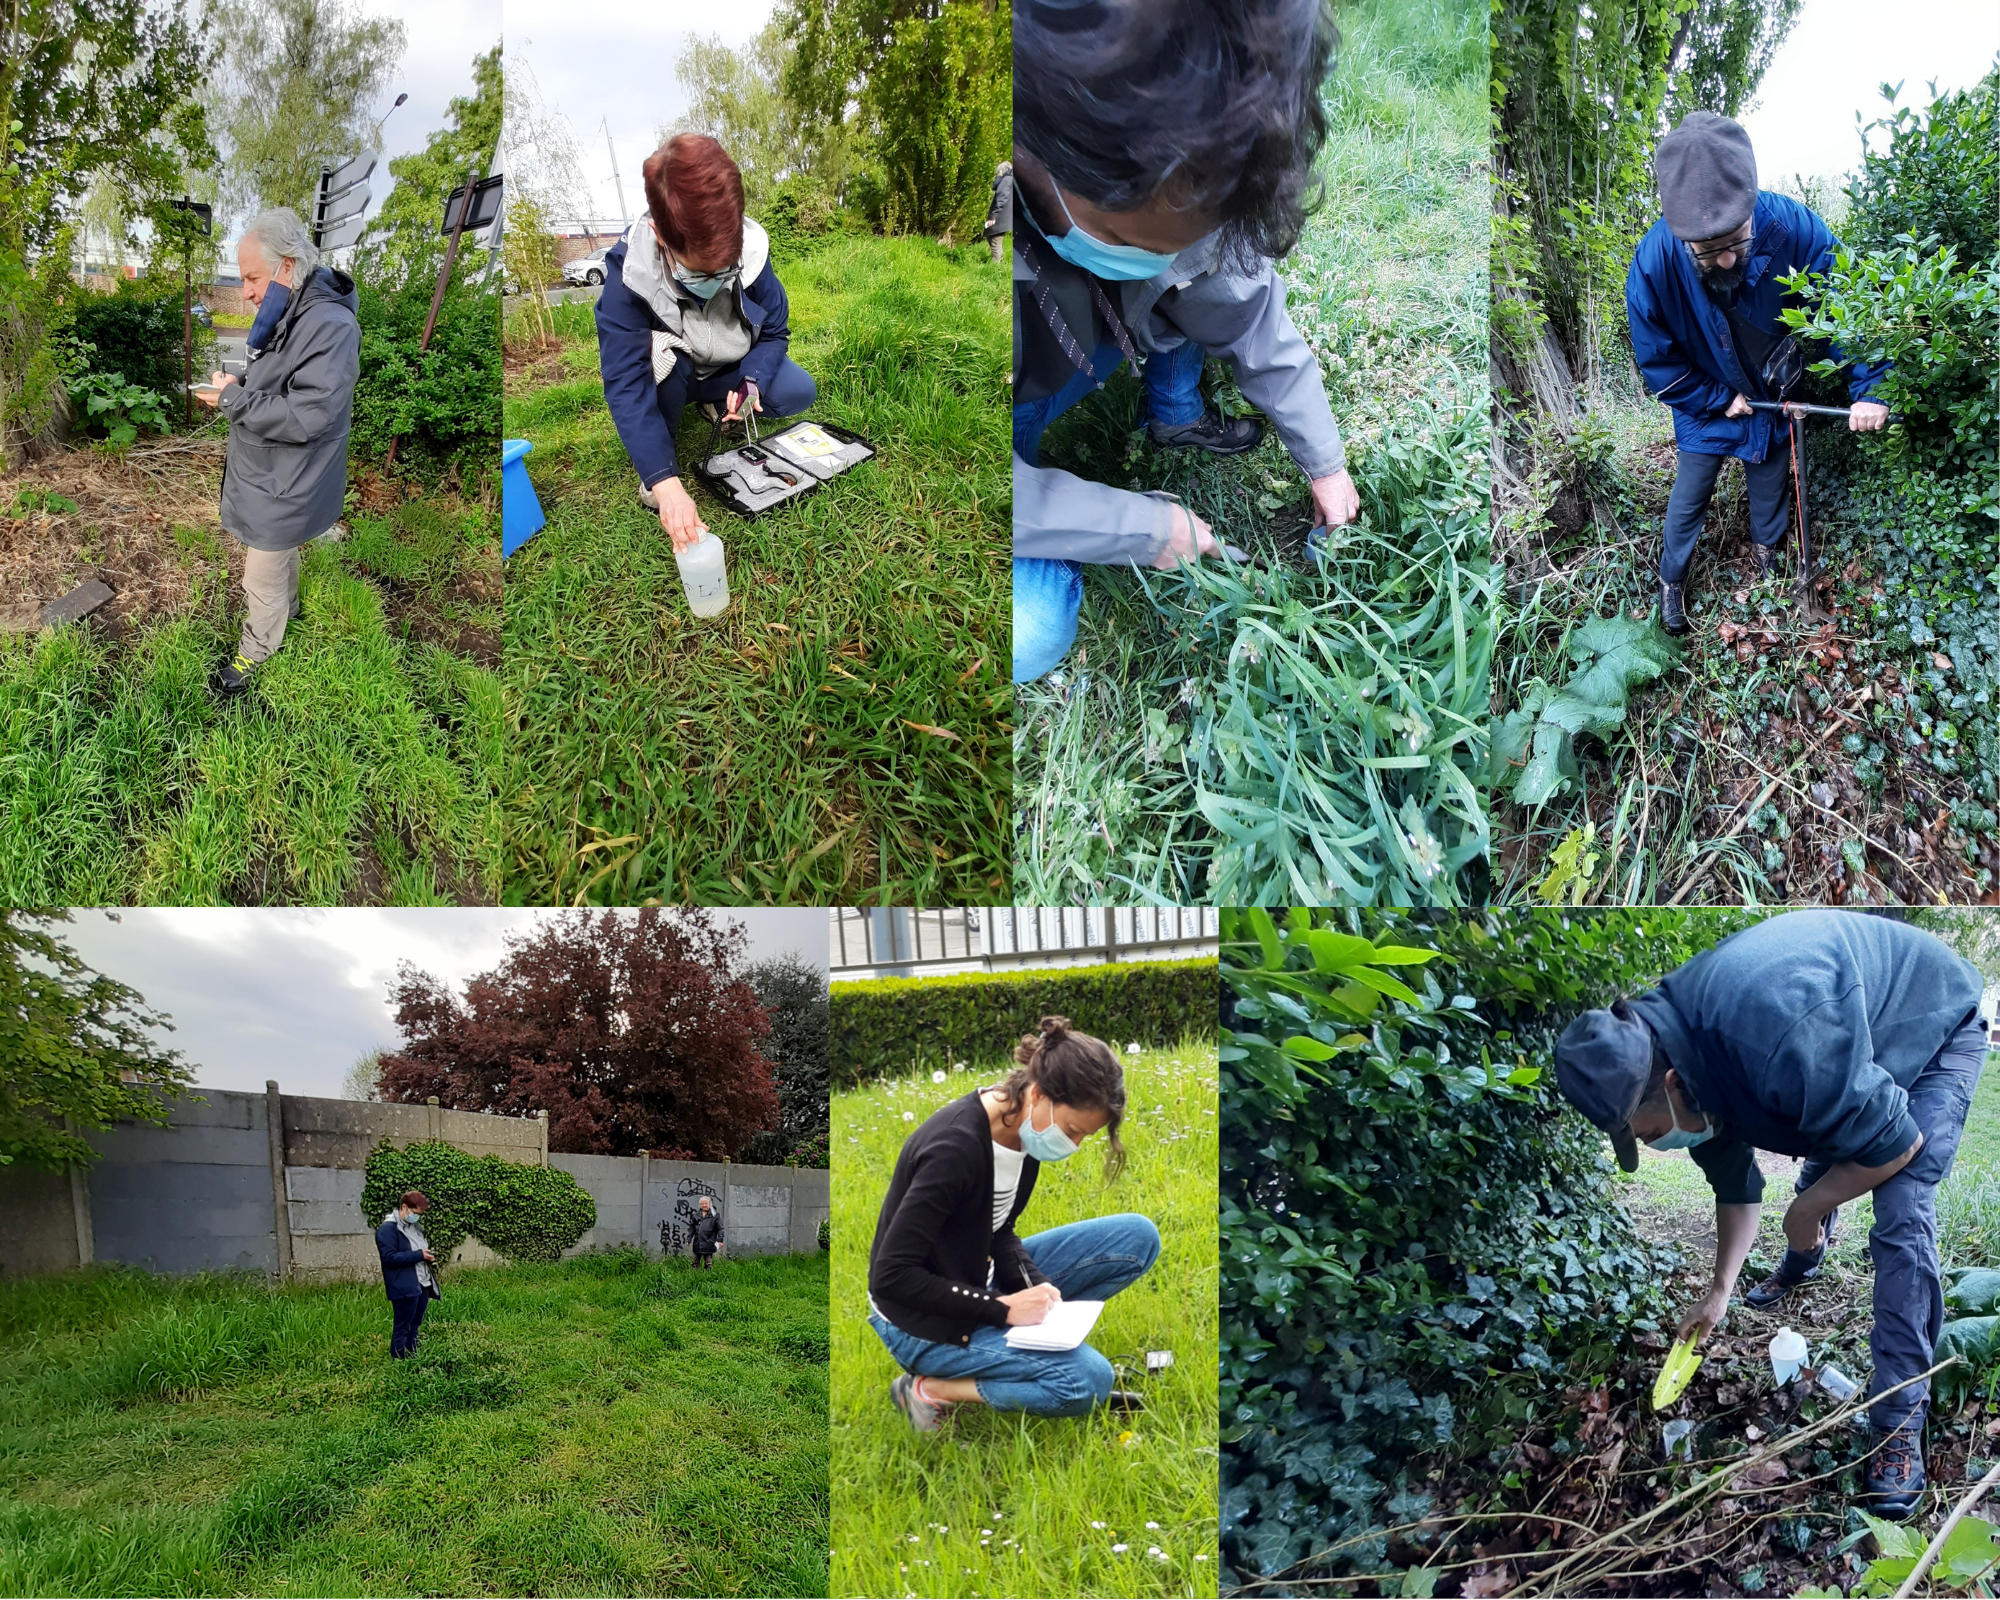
[[525, 1213], [883, 1025]]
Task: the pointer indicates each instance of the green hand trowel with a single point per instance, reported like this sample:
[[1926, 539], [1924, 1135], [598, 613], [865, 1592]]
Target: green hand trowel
[[1676, 1375]]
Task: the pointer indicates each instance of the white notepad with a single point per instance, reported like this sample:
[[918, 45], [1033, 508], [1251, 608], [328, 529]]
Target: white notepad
[[1066, 1326]]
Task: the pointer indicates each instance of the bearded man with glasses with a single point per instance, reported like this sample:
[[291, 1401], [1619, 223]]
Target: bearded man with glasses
[[1703, 302]]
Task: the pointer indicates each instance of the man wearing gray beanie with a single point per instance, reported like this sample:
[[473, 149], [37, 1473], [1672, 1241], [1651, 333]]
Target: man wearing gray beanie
[[1702, 299]]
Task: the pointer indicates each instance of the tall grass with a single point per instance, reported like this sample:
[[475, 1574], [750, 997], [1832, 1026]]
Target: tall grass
[[787, 751], [1310, 730], [587, 1427], [1052, 1498], [361, 765]]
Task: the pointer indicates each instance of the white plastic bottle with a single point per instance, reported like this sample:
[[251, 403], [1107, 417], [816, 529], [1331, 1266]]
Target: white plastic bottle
[[704, 576], [1788, 1355]]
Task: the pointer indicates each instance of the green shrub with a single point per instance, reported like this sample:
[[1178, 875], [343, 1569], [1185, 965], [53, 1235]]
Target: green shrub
[[105, 400], [825, 1233], [882, 1025], [1419, 1240], [136, 330], [443, 405], [525, 1213]]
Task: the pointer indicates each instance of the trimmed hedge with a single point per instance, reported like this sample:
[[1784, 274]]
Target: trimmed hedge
[[883, 1026], [525, 1213]]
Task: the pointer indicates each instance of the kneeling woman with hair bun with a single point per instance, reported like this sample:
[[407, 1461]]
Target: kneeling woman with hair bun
[[948, 1275]]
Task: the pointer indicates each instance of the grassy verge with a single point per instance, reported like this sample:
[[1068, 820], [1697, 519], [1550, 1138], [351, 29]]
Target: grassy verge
[[840, 734], [604, 1426], [361, 766], [1783, 759], [1002, 1504], [1309, 730]]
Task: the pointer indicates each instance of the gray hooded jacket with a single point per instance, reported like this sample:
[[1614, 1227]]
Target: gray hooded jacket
[[285, 477], [1237, 317]]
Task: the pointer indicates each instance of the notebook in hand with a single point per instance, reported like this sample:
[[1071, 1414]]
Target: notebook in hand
[[1066, 1326]]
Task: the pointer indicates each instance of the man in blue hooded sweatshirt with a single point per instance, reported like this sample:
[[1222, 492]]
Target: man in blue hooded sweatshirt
[[1702, 300], [1854, 1041]]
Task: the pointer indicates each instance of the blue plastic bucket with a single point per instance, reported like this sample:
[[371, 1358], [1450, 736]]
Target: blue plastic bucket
[[520, 512]]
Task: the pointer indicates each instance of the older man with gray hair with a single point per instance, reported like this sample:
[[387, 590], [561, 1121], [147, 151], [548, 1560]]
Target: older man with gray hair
[[285, 477]]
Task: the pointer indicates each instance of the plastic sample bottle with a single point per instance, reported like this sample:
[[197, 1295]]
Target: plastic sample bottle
[[1788, 1354], [704, 576]]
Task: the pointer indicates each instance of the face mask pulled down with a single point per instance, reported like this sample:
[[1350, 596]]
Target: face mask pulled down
[[1046, 1144]]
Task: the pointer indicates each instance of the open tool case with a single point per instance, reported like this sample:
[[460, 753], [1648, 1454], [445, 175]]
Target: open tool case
[[809, 453]]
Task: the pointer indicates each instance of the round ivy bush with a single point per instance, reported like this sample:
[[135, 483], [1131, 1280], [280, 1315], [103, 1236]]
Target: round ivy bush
[[1420, 1241], [524, 1213]]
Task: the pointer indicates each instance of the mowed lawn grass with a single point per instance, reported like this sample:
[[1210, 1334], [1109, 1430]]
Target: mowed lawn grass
[[605, 1426], [362, 765], [1004, 1504], [840, 734]]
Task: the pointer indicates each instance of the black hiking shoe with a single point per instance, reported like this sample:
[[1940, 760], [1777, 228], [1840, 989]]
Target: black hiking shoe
[[1796, 1268], [1896, 1481], [1673, 616], [233, 677], [1215, 433], [1766, 557]]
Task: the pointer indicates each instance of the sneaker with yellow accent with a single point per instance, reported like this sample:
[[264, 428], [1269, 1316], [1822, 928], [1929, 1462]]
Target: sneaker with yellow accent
[[233, 677]]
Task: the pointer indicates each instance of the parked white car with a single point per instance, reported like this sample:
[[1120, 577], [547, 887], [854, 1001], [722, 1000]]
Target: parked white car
[[586, 269]]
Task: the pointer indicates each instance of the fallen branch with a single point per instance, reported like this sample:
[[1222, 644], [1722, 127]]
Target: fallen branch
[[1701, 866], [1958, 1512]]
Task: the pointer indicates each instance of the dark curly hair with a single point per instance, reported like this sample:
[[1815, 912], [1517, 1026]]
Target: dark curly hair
[[1218, 98], [1072, 1069]]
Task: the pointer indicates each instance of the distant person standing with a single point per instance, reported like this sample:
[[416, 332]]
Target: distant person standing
[[407, 1261], [706, 1233], [1000, 217]]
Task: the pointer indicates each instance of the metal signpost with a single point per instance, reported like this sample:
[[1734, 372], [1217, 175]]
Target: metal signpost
[[343, 196], [196, 213], [470, 208]]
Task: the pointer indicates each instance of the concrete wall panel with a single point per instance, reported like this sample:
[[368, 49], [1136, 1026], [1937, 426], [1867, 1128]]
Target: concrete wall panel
[[37, 1222]]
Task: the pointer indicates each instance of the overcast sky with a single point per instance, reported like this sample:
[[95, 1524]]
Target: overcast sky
[[610, 60], [299, 995], [1834, 62]]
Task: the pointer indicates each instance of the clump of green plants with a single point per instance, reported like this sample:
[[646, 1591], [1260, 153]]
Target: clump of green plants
[[1532, 754], [121, 409], [525, 1213], [1420, 1247]]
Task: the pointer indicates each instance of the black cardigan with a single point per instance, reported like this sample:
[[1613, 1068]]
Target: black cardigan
[[927, 1267]]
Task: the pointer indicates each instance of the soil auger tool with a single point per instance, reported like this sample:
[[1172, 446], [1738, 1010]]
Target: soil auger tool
[[1677, 1374], [1798, 411]]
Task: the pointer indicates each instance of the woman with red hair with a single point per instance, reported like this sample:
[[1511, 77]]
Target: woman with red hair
[[691, 310]]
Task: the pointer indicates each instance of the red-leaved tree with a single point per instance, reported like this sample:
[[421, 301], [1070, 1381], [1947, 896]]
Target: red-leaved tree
[[628, 1030]]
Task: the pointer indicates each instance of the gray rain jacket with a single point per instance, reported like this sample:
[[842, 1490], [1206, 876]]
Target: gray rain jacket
[[284, 479], [1240, 318]]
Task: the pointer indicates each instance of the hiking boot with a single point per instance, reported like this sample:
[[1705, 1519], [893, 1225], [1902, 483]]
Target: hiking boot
[[1213, 432], [1766, 557], [233, 677], [1673, 617], [1896, 1480], [922, 1415], [1796, 1268]]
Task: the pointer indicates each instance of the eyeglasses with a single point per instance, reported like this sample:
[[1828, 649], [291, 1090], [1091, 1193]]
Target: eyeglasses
[[1728, 247]]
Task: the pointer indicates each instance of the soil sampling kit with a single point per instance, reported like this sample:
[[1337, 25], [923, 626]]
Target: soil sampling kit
[[781, 467]]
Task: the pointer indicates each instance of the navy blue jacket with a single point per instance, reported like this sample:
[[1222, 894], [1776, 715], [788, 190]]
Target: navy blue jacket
[[1683, 342], [1803, 1034], [625, 328], [399, 1263]]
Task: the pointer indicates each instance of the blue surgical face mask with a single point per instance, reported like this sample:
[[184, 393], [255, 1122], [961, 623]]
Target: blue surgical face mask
[[1124, 263], [702, 285], [1047, 1144], [1678, 1138], [276, 298]]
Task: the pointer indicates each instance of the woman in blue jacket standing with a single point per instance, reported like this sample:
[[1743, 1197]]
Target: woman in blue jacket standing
[[691, 310], [406, 1271]]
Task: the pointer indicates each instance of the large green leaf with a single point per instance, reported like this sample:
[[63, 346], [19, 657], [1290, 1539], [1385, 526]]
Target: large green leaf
[[1532, 753]]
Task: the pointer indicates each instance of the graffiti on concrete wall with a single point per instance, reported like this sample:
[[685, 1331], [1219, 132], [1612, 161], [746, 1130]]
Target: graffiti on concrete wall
[[676, 1231]]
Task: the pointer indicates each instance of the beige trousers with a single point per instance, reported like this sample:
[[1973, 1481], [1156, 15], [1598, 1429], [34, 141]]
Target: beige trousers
[[270, 590]]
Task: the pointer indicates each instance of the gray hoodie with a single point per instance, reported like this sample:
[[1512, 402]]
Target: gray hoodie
[[284, 479]]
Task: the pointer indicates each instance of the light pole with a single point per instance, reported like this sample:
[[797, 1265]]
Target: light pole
[[376, 140]]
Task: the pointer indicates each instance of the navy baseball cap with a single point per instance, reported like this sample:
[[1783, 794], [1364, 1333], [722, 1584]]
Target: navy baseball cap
[[1603, 1060]]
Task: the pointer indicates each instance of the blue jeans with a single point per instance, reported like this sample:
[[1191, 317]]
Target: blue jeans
[[1049, 594], [1909, 1289], [407, 1312], [1694, 485], [1087, 1261]]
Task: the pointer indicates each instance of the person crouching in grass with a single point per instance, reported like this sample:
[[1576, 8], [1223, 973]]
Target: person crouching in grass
[[284, 479], [691, 310], [406, 1271], [706, 1234], [948, 1275]]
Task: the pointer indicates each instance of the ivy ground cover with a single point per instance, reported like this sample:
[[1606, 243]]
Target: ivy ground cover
[[361, 767], [1310, 728], [1001, 1504], [839, 735], [604, 1425]]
